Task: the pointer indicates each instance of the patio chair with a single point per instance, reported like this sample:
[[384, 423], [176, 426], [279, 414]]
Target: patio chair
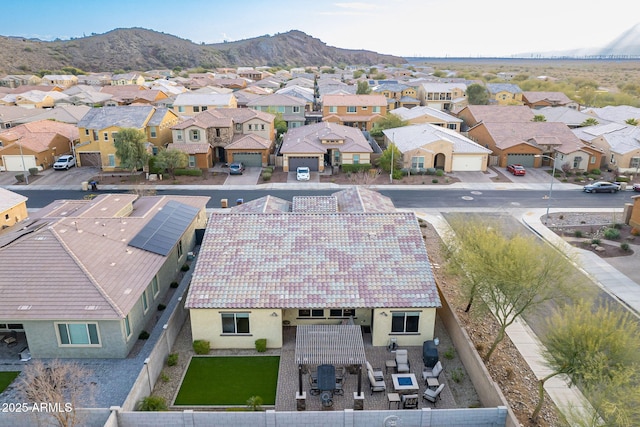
[[313, 382], [377, 372], [402, 361], [409, 401], [432, 372], [376, 385], [433, 395]]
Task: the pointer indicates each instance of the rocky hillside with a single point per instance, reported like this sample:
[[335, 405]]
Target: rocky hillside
[[141, 49]]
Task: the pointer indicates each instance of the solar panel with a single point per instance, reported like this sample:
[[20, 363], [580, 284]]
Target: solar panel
[[164, 230]]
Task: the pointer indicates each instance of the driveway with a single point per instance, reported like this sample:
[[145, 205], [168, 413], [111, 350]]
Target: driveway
[[73, 176], [533, 176], [249, 177]]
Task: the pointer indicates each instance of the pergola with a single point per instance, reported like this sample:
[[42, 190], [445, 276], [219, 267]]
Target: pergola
[[329, 344]]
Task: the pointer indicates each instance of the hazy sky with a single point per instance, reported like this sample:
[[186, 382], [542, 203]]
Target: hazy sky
[[466, 28]]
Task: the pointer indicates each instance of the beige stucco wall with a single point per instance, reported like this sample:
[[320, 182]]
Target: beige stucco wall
[[206, 324], [347, 158], [13, 215], [290, 317], [381, 330], [429, 151]]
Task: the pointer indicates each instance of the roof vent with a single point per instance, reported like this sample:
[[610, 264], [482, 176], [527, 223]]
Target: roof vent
[[24, 307], [127, 291], [91, 307]]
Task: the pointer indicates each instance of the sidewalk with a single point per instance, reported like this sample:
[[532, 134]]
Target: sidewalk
[[568, 399]]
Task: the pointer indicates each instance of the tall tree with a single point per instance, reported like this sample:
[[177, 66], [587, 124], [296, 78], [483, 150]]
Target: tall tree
[[392, 152], [171, 160], [389, 121], [363, 88], [477, 94], [597, 348], [131, 149]]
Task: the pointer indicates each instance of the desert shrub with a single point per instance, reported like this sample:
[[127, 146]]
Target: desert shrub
[[611, 234], [268, 169], [457, 375], [33, 171], [152, 403], [261, 345], [595, 241], [20, 177], [185, 267], [172, 360], [201, 346], [439, 172], [397, 174], [578, 233], [266, 176], [618, 179], [618, 226], [450, 353], [254, 403], [174, 285], [164, 377], [356, 168], [188, 172], [595, 172], [143, 335], [625, 246], [434, 181], [431, 171]]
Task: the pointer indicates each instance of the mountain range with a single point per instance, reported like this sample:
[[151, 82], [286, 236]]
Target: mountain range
[[142, 49]]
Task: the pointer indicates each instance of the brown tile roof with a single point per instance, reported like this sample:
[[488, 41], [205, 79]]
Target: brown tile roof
[[508, 135], [308, 260], [552, 97], [249, 142], [266, 204], [501, 113], [308, 139], [190, 148], [358, 199], [343, 100], [37, 136], [314, 204]]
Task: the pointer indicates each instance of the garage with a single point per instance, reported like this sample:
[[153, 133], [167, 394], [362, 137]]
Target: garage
[[15, 163], [90, 159], [310, 162], [525, 160], [467, 163], [249, 159]]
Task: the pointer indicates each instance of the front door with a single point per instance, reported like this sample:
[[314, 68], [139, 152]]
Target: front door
[[439, 160]]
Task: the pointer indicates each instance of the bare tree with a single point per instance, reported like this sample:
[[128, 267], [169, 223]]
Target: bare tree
[[58, 388], [364, 177]]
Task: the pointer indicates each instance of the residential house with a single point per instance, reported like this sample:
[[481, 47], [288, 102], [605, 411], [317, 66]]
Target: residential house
[[121, 94], [33, 99], [302, 82], [36, 144], [200, 154], [443, 96], [244, 96], [62, 80], [504, 94], [429, 146], [474, 114], [127, 79], [291, 108], [421, 115], [234, 84], [12, 115], [100, 125], [234, 134], [63, 113], [306, 94], [335, 260], [15, 80], [615, 113], [109, 262], [13, 208], [95, 79], [398, 95], [538, 100], [85, 95], [190, 104], [251, 73], [324, 144], [619, 143], [359, 111], [567, 115]]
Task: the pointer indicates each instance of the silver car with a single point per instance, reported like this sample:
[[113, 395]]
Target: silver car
[[602, 187]]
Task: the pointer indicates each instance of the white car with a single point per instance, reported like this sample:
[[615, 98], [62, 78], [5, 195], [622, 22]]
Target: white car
[[303, 173], [65, 162]]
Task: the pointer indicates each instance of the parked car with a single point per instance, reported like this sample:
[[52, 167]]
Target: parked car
[[517, 169], [636, 187], [602, 187], [303, 173], [236, 168], [65, 162]]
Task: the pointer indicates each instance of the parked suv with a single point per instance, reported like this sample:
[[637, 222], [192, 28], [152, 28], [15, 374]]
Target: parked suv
[[236, 168], [64, 162]]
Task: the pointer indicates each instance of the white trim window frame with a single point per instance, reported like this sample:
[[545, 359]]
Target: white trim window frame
[[78, 334]]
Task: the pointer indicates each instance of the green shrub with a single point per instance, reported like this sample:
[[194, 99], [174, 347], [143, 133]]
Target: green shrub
[[625, 246], [188, 172], [439, 172], [356, 168], [161, 307], [434, 181], [20, 177], [618, 226], [33, 171], [261, 345], [174, 284], [143, 335], [578, 233], [595, 172], [595, 241], [266, 176], [268, 169], [611, 234], [431, 171], [153, 169], [152, 403], [172, 360], [201, 346], [397, 174], [164, 377], [185, 267], [457, 375], [254, 403], [450, 353], [618, 179]]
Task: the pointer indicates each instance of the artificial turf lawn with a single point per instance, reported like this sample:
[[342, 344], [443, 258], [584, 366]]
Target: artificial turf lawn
[[7, 378], [229, 380]]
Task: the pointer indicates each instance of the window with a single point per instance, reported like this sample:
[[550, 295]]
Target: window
[[333, 109], [6, 216], [218, 133], [127, 326], [192, 161], [356, 159], [365, 107], [376, 109], [250, 127], [145, 302], [106, 136], [316, 312], [296, 109], [417, 162], [204, 108], [351, 109], [95, 135], [451, 126], [238, 127], [113, 135], [635, 162], [195, 135], [405, 322], [235, 323], [153, 132], [576, 162], [112, 160], [86, 132], [196, 109], [280, 109], [78, 334], [181, 109], [179, 248], [154, 287], [261, 127], [613, 159], [592, 159], [338, 312], [179, 135]]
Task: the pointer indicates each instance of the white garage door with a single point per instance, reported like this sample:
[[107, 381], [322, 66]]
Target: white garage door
[[14, 163], [467, 163]]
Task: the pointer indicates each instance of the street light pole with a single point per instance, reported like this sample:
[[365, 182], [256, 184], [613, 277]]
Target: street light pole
[[553, 175], [24, 167]]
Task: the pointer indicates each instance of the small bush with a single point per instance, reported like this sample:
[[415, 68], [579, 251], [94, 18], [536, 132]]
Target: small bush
[[261, 345], [509, 372], [33, 171], [611, 234], [143, 335], [434, 181], [161, 307], [635, 231], [356, 168], [457, 375], [431, 171], [618, 226], [164, 377], [450, 353], [625, 247], [188, 172], [595, 241], [618, 179], [172, 360], [20, 177], [174, 285], [578, 233], [268, 169], [397, 174], [595, 172], [185, 267], [254, 403], [439, 172], [152, 403], [201, 346], [266, 176]]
